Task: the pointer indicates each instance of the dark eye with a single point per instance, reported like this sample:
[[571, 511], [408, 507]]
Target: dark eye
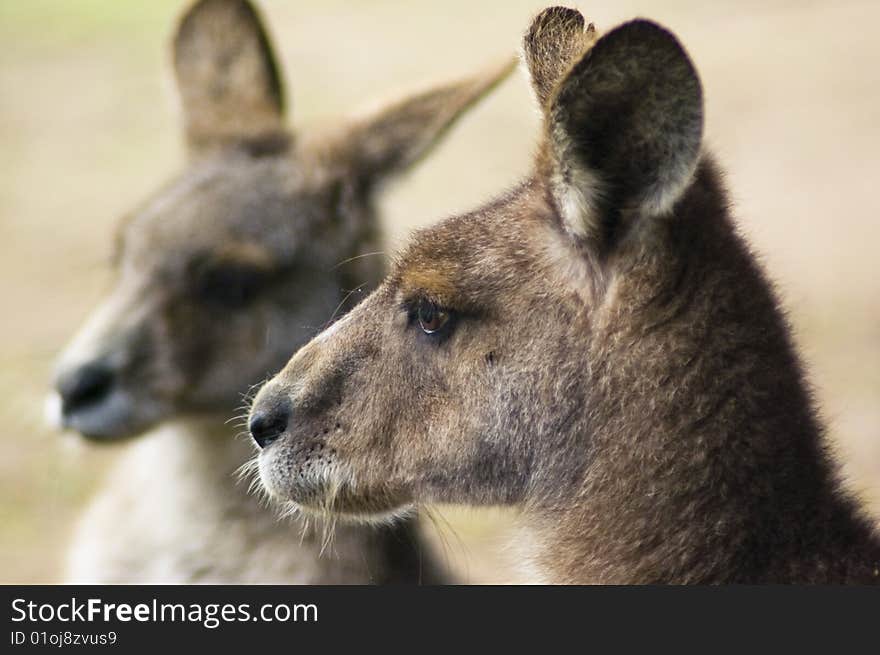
[[229, 285], [432, 318]]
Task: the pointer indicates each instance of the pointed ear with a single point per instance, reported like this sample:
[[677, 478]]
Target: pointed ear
[[554, 42], [394, 138], [624, 129], [226, 75]]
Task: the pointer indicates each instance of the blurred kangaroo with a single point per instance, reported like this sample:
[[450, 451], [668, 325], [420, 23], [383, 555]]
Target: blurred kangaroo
[[220, 276], [598, 346]]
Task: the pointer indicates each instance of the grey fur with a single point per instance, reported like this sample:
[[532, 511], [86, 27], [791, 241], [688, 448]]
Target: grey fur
[[262, 238]]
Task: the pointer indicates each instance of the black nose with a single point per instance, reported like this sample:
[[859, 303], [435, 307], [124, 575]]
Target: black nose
[[267, 425], [84, 386]]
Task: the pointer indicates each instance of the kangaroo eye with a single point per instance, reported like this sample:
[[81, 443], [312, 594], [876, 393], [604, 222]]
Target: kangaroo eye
[[229, 285], [431, 318]]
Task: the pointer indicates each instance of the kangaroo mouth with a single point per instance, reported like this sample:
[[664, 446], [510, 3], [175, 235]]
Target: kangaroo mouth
[[323, 484], [295, 473], [114, 417]]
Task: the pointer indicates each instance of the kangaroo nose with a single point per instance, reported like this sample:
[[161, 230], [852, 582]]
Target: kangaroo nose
[[269, 424], [84, 386]]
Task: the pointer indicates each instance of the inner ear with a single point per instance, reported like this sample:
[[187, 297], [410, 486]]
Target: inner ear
[[625, 128], [227, 75]]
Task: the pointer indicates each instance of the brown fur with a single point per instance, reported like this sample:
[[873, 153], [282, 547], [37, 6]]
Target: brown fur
[[554, 42], [616, 362], [243, 256]]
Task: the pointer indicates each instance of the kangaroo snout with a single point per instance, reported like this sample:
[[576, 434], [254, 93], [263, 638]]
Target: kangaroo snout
[[96, 392], [92, 400], [269, 419], [84, 385]]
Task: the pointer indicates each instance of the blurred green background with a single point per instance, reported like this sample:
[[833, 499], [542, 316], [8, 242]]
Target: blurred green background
[[89, 126]]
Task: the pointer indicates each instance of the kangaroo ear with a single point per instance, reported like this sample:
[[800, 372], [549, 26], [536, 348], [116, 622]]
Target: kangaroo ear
[[554, 42], [226, 75], [392, 139], [624, 129]]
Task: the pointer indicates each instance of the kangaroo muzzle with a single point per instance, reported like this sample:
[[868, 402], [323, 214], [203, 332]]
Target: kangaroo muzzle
[[269, 419]]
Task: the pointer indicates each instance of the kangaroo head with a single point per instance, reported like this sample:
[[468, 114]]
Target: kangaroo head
[[252, 247], [464, 376], [597, 345]]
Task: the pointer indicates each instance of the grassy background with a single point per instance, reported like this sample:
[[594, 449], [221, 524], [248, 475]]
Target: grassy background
[[88, 127]]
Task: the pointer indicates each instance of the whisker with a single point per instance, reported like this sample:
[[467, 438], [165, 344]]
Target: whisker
[[445, 530], [351, 259], [343, 301], [237, 417]]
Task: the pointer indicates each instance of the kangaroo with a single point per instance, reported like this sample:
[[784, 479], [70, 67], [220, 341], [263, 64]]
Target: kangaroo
[[219, 277], [597, 346]]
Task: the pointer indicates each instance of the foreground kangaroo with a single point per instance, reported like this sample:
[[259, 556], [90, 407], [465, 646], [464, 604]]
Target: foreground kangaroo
[[221, 275], [597, 346]]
